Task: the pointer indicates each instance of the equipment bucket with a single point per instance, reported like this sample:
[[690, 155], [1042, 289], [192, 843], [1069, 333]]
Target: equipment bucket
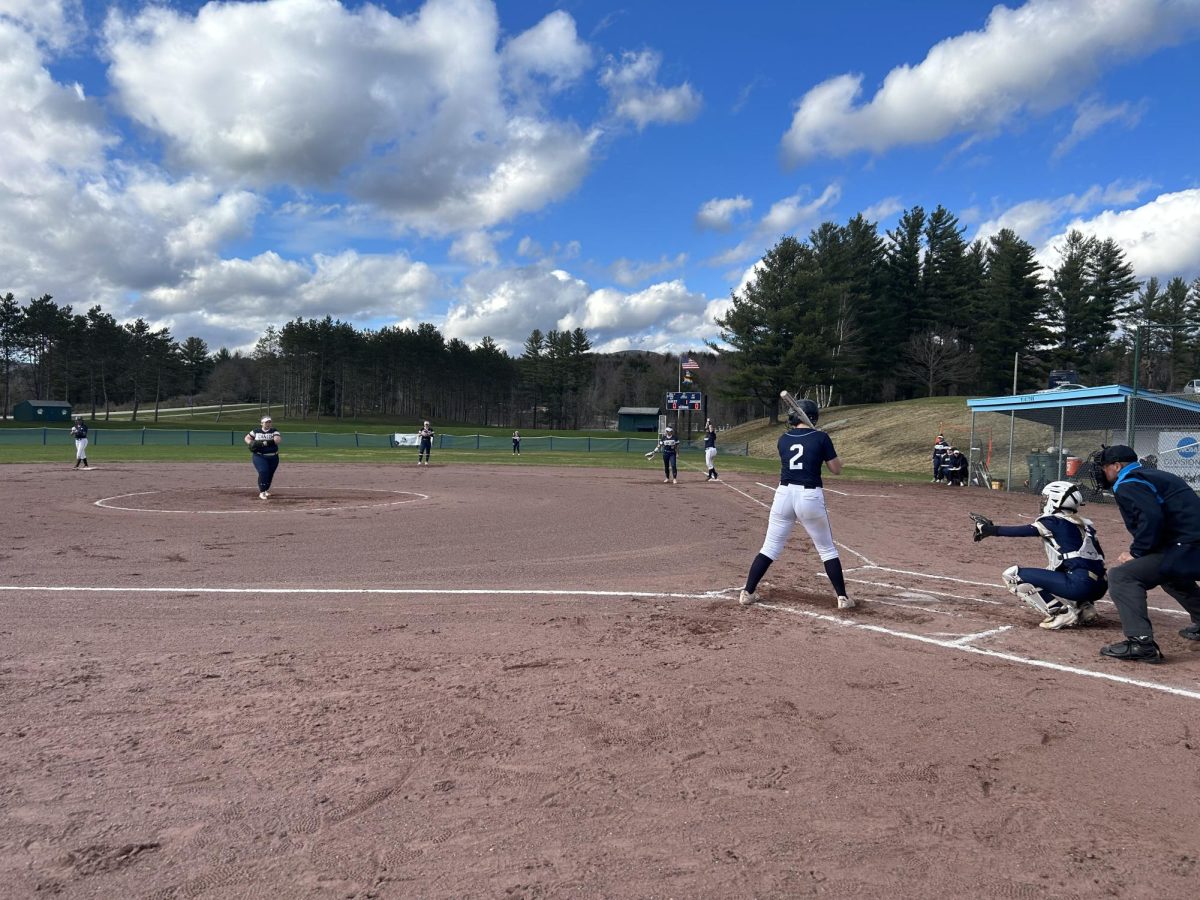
[[1073, 464]]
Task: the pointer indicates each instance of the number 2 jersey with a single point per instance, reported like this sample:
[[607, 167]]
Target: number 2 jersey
[[801, 454]]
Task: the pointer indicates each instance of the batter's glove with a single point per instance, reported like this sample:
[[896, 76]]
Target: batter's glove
[[984, 527]]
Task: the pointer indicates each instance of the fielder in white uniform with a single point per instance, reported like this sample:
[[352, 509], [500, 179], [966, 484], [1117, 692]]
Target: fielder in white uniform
[[800, 497], [710, 450]]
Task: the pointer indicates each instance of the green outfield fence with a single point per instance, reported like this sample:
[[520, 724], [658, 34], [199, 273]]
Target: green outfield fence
[[174, 437]]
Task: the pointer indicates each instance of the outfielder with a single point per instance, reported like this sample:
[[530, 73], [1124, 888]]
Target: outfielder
[[800, 497], [426, 436], [79, 432], [1067, 591], [710, 450]]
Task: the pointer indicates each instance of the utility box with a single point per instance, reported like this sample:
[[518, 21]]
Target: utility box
[[42, 411]]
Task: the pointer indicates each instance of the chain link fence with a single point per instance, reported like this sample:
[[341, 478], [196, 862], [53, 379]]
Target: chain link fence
[[1024, 442]]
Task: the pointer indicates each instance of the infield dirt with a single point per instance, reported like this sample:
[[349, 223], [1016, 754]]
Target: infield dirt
[[508, 682]]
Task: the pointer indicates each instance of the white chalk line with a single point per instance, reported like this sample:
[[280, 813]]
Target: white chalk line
[[105, 503], [518, 592], [961, 645]]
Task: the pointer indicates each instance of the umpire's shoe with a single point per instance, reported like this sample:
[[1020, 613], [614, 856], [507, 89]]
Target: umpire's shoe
[[1192, 632], [1134, 649]]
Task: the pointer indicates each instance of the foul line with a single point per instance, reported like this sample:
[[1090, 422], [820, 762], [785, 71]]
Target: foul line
[[959, 644], [521, 592]]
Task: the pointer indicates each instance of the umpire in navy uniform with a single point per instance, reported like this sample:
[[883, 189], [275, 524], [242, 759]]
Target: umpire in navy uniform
[[1162, 513]]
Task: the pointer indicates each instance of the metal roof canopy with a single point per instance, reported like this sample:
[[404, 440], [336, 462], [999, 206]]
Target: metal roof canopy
[[1091, 408]]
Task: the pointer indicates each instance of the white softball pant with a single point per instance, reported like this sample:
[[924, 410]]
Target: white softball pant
[[710, 457], [794, 504], [81, 448]]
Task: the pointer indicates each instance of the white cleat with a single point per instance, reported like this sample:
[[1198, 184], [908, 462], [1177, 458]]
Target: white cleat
[[1063, 620], [746, 598], [263, 495], [845, 603]]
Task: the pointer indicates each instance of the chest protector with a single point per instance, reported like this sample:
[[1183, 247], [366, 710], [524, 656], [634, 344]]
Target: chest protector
[[1057, 554]]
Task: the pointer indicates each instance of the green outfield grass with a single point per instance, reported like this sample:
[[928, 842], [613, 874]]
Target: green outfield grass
[[63, 452]]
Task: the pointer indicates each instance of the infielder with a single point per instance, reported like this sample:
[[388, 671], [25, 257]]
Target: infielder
[[800, 497], [79, 432], [263, 442], [1066, 592], [426, 436], [668, 446], [710, 450]]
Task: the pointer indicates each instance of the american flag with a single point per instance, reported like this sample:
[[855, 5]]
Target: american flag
[[687, 364]]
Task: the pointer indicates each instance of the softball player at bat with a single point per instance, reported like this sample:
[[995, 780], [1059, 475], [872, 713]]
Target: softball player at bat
[[710, 450], [800, 497]]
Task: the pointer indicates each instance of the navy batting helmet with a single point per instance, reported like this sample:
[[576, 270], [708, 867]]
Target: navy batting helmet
[[810, 409]]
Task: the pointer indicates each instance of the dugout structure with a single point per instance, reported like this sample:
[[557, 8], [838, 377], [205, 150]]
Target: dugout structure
[[1023, 442]]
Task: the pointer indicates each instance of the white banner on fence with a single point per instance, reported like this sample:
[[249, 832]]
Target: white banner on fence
[[1179, 453], [406, 440]]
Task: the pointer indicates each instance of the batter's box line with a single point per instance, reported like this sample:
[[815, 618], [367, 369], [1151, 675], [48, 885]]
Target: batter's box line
[[958, 645]]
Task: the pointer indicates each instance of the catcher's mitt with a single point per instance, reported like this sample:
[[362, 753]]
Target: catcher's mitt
[[984, 527]]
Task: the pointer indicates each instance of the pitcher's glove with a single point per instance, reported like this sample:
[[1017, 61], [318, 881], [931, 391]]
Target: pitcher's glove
[[984, 527]]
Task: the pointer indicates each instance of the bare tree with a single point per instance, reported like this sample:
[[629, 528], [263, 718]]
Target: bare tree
[[937, 358]]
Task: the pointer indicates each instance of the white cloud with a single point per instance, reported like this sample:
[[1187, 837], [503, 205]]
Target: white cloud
[[239, 298], [1091, 115], [627, 272], [409, 114], [550, 51], [883, 209], [718, 213], [477, 248], [632, 83], [791, 213], [56, 23], [1032, 59], [1035, 220], [1159, 238], [508, 304]]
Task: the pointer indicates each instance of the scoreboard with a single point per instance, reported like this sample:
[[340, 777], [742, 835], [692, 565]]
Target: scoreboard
[[684, 400]]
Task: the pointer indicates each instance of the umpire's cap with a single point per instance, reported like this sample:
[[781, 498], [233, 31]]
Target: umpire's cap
[[1117, 453]]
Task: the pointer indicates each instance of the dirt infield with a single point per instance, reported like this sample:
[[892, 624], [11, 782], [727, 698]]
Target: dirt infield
[[525, 682]]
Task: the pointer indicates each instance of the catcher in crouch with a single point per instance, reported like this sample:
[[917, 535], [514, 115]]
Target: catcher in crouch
[[1066, 592]]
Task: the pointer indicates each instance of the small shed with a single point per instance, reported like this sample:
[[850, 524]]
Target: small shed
[[638, 418], [42, 411]]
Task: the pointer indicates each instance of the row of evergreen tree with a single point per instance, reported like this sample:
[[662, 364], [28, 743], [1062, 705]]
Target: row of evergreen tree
[[327, 368], [850, 315]]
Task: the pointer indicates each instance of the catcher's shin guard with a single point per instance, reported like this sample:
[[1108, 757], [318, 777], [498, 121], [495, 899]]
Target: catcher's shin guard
[[1028, 594]]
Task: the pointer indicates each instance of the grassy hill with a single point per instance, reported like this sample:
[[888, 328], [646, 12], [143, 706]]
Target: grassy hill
[[898, 437]]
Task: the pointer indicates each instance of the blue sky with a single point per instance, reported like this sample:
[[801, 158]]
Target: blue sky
[[495, 167]]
